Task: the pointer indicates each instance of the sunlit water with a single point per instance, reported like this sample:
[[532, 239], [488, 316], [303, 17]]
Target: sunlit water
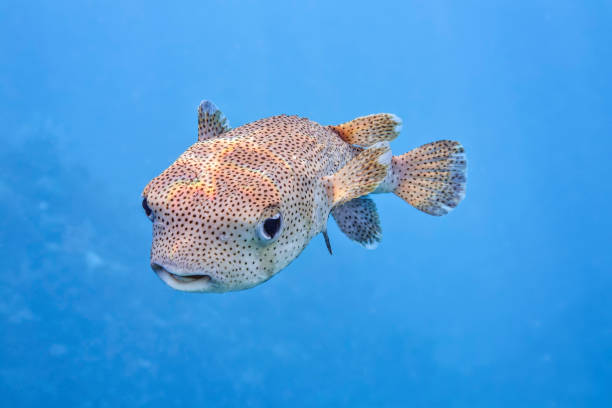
[[506, 302]]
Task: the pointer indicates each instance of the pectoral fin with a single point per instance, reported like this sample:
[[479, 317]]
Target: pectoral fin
[[360, 176], [211, 121], [359, 220]]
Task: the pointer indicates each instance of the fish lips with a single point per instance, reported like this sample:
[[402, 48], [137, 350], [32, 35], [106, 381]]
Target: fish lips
[[186, 282]]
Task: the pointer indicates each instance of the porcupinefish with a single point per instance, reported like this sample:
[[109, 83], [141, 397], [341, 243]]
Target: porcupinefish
[[240, 204]]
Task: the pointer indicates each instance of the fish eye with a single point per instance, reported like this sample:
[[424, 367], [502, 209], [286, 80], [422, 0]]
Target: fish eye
[[147, 209], [269, 228]]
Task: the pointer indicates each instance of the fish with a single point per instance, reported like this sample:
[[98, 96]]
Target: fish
[[241, 203]]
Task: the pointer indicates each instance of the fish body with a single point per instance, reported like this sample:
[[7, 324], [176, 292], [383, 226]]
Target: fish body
[[240, 204]]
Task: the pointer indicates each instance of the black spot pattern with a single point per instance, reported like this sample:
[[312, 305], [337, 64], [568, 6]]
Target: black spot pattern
[[207, 205], [359, 220], [432, 177]]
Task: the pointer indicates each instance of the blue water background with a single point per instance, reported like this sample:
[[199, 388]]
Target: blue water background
[[506, 302]]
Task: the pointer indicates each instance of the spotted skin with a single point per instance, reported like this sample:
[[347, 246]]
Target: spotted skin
[[370, 129], [209, 201], [359, 220], [431, 178], [209, 208], [211, 121]]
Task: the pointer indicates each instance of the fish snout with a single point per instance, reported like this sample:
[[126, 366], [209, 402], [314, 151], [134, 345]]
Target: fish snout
[[187, 282]]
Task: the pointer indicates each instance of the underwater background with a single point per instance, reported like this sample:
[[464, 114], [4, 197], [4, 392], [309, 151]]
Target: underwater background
[[505, 302]]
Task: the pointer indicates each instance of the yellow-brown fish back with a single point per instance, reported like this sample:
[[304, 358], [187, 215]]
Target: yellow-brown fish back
[[240, 204]]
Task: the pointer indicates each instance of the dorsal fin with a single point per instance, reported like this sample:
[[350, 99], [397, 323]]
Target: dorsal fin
[[211, 121], [358, 219], [367, 130]]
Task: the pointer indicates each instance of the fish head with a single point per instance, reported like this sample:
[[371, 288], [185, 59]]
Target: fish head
[[220, 219]]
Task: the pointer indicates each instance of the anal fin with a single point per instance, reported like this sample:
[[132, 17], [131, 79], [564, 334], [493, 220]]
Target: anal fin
[[211, 121], [368, 130], [359, 220]]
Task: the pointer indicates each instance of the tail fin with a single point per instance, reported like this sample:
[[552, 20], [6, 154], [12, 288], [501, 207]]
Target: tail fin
[[431, 177]]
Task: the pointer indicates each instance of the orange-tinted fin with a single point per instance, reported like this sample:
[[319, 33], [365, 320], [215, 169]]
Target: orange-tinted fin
[[211, 121], [359, 220], [431, 177], [367, 130], [360, 176]]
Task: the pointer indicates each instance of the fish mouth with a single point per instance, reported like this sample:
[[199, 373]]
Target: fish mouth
[[185, 282]]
